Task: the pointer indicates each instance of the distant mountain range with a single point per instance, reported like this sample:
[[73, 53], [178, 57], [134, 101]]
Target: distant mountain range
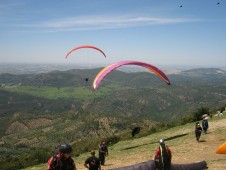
[[37, 68]]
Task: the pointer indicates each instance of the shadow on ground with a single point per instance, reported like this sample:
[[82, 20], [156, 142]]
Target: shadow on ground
[[167, 139]]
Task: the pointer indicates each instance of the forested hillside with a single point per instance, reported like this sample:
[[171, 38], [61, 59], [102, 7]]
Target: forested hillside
[[41, 110]]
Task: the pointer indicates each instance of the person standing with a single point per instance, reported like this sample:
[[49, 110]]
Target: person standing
[[205, 125], [93, 162], [163, 156], [103, 152], [62, 159], [198, 131]]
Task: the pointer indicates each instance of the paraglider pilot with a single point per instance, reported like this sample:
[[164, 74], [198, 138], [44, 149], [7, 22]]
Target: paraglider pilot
[[92, 162], [62, 159], [163, 156], [205, 125], [198, 131], [103, 152]]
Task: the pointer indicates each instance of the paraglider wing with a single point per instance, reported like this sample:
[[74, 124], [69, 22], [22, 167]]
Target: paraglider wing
[[105, 71], [150, 165], [85, 46], [221, 149]]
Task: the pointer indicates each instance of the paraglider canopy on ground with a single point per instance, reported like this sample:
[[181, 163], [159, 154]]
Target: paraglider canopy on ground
[[221, 149], [205, 118], [205, 115], [150, 165]]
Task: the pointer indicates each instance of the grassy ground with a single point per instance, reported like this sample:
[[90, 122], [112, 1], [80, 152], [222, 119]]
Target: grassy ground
[[180, 139], [55, 93]]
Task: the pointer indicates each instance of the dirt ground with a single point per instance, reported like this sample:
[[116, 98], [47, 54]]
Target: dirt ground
[[184, 149], [205, 150], [188, 151]]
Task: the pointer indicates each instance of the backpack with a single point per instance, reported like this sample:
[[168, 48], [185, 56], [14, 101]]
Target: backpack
[[206, 124], [56, 162], [164, 157]]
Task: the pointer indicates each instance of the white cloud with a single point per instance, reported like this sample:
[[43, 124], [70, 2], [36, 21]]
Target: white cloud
[[94, 23], [114, 22]]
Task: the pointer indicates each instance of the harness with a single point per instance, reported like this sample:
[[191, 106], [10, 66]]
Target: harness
[[56, 162], [164, 155]]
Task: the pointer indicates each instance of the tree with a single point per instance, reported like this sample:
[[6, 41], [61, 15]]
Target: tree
[[201, 111]]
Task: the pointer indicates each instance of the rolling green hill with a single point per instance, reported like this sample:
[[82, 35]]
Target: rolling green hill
[[43, 110]]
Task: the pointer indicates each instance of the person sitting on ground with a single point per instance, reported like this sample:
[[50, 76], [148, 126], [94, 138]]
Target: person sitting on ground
[[62, 160], [93, 162], [163, 156], [198, 131]]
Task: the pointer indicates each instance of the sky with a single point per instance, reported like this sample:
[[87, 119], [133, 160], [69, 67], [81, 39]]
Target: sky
[[159, 32]]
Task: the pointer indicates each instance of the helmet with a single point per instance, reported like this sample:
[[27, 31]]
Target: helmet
[[65, 148], [92, 152], [161, 141]]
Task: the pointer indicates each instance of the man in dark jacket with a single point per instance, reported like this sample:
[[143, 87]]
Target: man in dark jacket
[[198, 131], [62, 159], [93, 162], [103, 152], [163, 156]]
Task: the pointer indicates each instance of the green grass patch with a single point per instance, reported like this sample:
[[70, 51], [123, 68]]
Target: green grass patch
[[56, 93]]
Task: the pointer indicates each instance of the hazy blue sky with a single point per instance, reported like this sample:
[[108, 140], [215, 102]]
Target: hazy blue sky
[[159, 32]]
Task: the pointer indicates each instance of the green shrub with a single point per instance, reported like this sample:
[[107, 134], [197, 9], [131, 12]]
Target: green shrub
[[201, 111], [112, 140]]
